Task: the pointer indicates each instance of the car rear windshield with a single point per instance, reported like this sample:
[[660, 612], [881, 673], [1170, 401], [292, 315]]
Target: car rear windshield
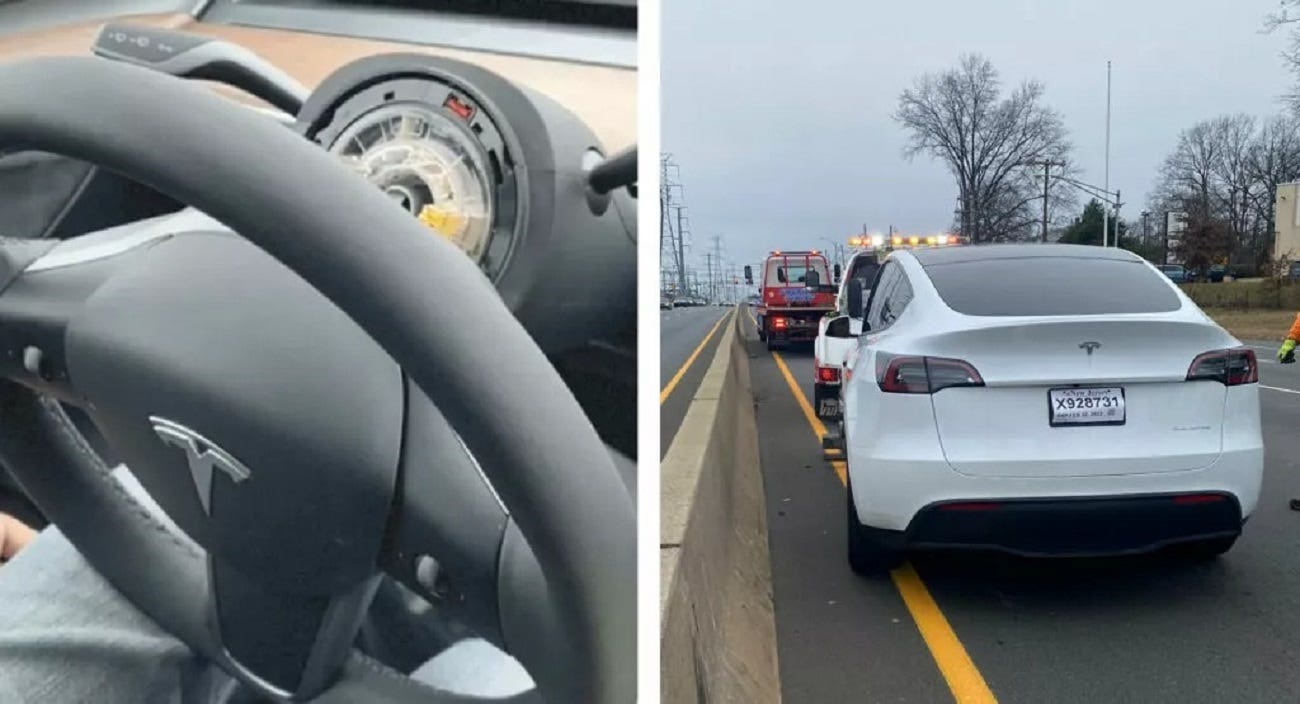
[[793, 270], [1034, 286]]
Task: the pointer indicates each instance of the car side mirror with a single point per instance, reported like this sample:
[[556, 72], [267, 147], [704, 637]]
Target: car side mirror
[[813, 279], [839, 327], [838, 272], [855, 298], [749, 275]]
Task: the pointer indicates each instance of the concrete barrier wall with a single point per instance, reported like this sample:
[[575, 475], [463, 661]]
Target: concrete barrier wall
[[717, 632]]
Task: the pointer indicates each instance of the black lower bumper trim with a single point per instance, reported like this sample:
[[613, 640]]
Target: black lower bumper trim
[[1076, 526]]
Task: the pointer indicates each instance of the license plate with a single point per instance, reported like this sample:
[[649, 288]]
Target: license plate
[[829, 408], [1086, 406]]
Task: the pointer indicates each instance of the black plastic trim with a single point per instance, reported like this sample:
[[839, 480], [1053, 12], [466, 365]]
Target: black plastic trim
[[1075, 526]]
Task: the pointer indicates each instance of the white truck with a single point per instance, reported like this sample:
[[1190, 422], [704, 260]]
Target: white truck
[[830, 352]]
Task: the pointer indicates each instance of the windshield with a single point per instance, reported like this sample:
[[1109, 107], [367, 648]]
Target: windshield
[[611, 13], [1050, 286], [590, 31]]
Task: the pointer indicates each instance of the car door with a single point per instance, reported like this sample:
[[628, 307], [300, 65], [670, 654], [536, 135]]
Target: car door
[[886, 276]]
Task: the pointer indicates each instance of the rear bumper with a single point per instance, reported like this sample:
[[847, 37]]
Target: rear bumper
[[800, 323], [898, 467], [1075, 526], [892, 493], [793, 334]]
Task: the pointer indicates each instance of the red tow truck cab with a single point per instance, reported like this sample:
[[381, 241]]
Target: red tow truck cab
[[789, 310]]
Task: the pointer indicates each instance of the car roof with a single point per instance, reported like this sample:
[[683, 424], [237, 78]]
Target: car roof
[[983, 252]]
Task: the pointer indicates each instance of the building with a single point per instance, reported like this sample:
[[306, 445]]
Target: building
[[1286, 216]]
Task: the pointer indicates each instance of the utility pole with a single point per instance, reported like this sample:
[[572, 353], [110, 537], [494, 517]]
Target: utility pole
[[1047, 181], [708, 263], [1105, 186], [681, 249], [665, 198], [717, 254], [676, 243], [1118, 204]]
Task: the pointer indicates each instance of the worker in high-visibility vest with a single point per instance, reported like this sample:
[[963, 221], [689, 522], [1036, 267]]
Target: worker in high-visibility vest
[[1286, 353]]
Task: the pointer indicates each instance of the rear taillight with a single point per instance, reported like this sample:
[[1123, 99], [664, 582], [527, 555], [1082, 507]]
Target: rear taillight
[[828, 375], [923, 375], [1232, 367], [779, 323]]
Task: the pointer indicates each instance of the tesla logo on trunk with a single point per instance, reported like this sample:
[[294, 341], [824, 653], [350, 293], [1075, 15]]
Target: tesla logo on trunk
[[202, 455], [1089, 347]]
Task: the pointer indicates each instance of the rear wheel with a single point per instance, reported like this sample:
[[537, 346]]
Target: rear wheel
[[867, 556]]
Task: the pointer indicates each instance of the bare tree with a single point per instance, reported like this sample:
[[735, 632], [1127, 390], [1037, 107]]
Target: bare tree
[[1274, 160], [1235, 135], [1288, 15], [1224, 174], [991, 144], [1190, 183], [1189, 172]]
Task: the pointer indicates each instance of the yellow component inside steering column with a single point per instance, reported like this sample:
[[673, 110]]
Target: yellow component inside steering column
[[448, 222]]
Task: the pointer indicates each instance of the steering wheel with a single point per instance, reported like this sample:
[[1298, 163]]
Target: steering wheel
[[257, 385]]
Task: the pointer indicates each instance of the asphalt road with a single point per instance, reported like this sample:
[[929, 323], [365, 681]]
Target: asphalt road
[[681, 333], [1141, 629]]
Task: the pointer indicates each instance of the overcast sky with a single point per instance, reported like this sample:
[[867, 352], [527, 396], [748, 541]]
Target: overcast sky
[[779, 113]]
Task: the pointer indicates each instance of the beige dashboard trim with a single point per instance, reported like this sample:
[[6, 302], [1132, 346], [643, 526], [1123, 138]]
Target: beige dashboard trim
[[604, 97]]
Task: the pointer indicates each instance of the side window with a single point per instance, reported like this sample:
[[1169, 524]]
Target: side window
[[879, 292], [897, 300]]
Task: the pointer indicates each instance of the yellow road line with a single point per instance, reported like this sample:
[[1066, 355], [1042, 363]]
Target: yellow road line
[[818, 429], [672, 383], [841, 470], [964, 679]]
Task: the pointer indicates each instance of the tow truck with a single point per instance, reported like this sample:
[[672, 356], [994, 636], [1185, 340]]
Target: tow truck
[[793, 296], [831, 350]]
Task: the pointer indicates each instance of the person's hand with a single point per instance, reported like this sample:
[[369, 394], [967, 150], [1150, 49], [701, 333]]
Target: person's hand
[[14, 536], [1286, 353]]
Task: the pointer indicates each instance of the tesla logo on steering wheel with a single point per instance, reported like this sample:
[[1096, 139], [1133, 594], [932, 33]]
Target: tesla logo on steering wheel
[[1089, 347], [202, 455]]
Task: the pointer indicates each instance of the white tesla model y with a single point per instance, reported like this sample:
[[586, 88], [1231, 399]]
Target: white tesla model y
[[1044, 400]]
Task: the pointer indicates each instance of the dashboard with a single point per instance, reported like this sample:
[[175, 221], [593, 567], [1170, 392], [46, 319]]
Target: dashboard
[[492, 151]]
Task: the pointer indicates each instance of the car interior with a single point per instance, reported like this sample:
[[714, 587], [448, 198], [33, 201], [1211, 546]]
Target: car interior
[[376, 263]]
